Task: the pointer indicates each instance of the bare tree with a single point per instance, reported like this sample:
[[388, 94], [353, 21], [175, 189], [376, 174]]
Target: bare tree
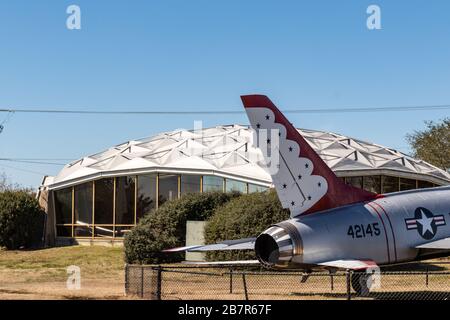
[[5, 183], [433, 143]]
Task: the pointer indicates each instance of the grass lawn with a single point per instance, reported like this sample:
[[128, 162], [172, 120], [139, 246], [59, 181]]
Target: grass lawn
[[42, 274]]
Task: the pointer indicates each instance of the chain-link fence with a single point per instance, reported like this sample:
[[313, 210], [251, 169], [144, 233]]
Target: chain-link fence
[[234, 283]]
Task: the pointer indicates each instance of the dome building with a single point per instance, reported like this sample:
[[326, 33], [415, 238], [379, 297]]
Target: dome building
[[102, 196]]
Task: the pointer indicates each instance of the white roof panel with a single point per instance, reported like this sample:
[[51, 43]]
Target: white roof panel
[[229, 150]]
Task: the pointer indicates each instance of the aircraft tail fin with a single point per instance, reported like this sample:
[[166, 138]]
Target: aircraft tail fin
[[303, 181]]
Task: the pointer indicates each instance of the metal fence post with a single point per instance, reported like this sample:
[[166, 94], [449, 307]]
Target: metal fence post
[[231, 280], [245, 286], [159, 283], [332, 281], [349, 292], [142, 281], [126, 279]]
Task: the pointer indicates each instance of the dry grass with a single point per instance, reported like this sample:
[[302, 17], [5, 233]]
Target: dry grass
[[287, 287], [41, 274], [181, 286], [396, 283]]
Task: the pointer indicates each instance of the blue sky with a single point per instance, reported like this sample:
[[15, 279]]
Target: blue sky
[[202, 55]]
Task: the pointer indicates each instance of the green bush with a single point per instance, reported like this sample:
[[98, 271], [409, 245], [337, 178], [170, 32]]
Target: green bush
[[243, 217], [165, 227], [21, 220]]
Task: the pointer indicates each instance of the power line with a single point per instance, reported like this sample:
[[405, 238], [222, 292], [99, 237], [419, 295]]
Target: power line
[[40, 159], [372, 109], [221, 112], [32, 161], [24, 170]]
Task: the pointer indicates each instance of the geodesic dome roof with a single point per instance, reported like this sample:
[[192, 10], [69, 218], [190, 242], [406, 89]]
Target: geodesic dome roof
[[228, 151]]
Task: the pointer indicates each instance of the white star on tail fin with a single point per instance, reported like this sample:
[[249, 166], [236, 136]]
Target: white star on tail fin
[[303, 181], [297, 188]]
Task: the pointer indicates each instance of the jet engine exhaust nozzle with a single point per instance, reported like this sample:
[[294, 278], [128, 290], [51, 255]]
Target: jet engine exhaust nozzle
[[275, 247]]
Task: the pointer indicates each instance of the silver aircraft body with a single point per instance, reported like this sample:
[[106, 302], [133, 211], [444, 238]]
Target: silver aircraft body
[[334, 225], [396, 228]]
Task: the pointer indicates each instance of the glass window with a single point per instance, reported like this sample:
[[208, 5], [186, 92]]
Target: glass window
[[390, 184], [234, 185], [63, 206], [104, 231], [212, 183], [372, 183], [355, 181], [125, 200], [190, 184], [255, 188], [146, 195], [83, 203], [407, 184], [82, 231], [425, 184], [121, 231], [104, 195], [62, 231], [168, 188]]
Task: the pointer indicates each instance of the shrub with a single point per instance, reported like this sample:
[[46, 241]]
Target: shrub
[[243, 217], [165, 227], [21, 220]]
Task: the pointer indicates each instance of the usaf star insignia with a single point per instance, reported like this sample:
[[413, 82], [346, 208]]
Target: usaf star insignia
[[425, 223]]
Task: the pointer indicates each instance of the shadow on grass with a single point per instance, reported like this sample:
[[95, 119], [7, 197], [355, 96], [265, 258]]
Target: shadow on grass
[[392, 295], [416, 267]]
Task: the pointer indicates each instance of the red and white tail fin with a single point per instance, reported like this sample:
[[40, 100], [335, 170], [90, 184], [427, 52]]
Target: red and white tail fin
[[304, 182]]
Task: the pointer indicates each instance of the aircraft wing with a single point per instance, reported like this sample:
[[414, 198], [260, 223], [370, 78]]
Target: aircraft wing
[[349, 264], [443, 244], [224, 263], [339, 264], [249, 244], [241, 244]]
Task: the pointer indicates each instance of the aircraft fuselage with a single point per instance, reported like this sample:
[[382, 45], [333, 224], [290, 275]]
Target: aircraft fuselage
[[386, 230]]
